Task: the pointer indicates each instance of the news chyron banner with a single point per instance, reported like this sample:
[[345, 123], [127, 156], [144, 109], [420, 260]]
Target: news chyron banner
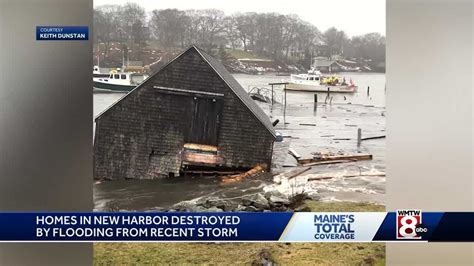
[[402, 225]]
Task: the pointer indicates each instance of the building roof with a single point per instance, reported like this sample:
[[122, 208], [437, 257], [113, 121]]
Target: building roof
[[235, 86], [324, 62], [231, 82]]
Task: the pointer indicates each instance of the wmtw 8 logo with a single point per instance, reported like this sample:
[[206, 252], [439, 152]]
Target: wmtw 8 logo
[[409, 224]]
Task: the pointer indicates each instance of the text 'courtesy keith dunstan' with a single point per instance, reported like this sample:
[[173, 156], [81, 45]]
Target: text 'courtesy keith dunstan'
[[136, 226]]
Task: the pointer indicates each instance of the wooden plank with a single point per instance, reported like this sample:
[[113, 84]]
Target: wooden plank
[[190, 92], [201, 158], [293, 153], [356, 157], [376, 137], [298, 172], [259, 168], [200, 147], [320, 178], [327, 162]]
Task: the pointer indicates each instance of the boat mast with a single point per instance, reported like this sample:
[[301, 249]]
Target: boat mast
[[123, 57], [98, 55]]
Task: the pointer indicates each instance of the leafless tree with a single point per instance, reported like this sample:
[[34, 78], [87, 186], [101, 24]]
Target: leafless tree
[[169, 27], [131, 13], [335, 41], [106, 25], [280, 37]]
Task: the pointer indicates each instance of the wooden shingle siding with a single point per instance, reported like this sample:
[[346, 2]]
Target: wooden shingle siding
[[142, 136]]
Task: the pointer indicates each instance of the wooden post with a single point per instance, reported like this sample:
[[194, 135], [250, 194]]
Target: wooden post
[[315, 101], [328, 95], [284, 108], [368, 90], [359, 136], [272, 94]]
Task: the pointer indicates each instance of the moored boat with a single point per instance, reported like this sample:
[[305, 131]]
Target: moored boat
[[315, 82], [119, 82]]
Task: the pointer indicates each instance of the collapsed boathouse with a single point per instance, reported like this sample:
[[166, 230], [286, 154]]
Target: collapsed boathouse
[[191, 115]]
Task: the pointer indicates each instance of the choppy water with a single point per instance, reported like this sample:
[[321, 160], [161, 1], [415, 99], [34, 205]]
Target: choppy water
[[339, 120], [375, 81]]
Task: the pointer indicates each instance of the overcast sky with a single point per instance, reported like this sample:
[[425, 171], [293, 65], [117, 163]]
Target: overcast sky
[[355, 17]]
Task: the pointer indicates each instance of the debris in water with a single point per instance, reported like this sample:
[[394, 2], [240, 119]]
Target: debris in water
[[372, 172], [320, 157], [293, 153], [293, 173], [376, 137], [327, 162], [258, 169]]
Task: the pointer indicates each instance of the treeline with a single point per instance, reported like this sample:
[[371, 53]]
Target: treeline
[[276, 36]]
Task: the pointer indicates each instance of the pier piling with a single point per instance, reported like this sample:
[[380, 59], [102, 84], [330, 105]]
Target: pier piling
[[359, 136], [272, 94], [284, 110]]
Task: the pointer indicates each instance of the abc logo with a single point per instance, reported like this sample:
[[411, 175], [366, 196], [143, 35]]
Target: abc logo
[[409, 224]]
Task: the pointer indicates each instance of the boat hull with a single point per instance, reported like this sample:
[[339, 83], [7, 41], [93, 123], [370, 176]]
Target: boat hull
[[112, 87], [320, 88]]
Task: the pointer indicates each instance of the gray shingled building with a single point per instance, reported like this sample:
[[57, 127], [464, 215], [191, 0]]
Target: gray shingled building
[[192, 115]]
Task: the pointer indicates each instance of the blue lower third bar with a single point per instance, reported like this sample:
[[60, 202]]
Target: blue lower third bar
[[62, 33], [136, 226]]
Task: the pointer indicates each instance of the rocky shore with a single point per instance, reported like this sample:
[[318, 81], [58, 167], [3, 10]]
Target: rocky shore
[[261, 66], [258, 202]]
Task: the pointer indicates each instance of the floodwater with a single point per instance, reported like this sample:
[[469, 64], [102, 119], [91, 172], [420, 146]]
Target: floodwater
[[330, 126]]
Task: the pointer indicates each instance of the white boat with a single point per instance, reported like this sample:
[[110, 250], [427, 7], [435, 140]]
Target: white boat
[[315, 82], [121, 82]]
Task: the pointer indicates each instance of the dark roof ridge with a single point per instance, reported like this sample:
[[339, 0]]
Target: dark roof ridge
[[230, 81], [141, 84]]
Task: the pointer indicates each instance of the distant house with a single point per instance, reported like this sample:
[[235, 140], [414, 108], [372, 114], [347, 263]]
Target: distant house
[[134, 63], [191, 115], [295, 51], [327, 66]]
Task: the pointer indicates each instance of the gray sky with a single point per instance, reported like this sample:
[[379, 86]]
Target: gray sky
[[355, 17]]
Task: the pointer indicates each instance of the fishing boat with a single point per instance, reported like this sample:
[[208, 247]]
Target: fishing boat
[[315, 82], [120, 82]]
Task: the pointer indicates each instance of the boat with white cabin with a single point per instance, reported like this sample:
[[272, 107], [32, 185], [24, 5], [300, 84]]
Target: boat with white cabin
[[314, 81], [119, 82]]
